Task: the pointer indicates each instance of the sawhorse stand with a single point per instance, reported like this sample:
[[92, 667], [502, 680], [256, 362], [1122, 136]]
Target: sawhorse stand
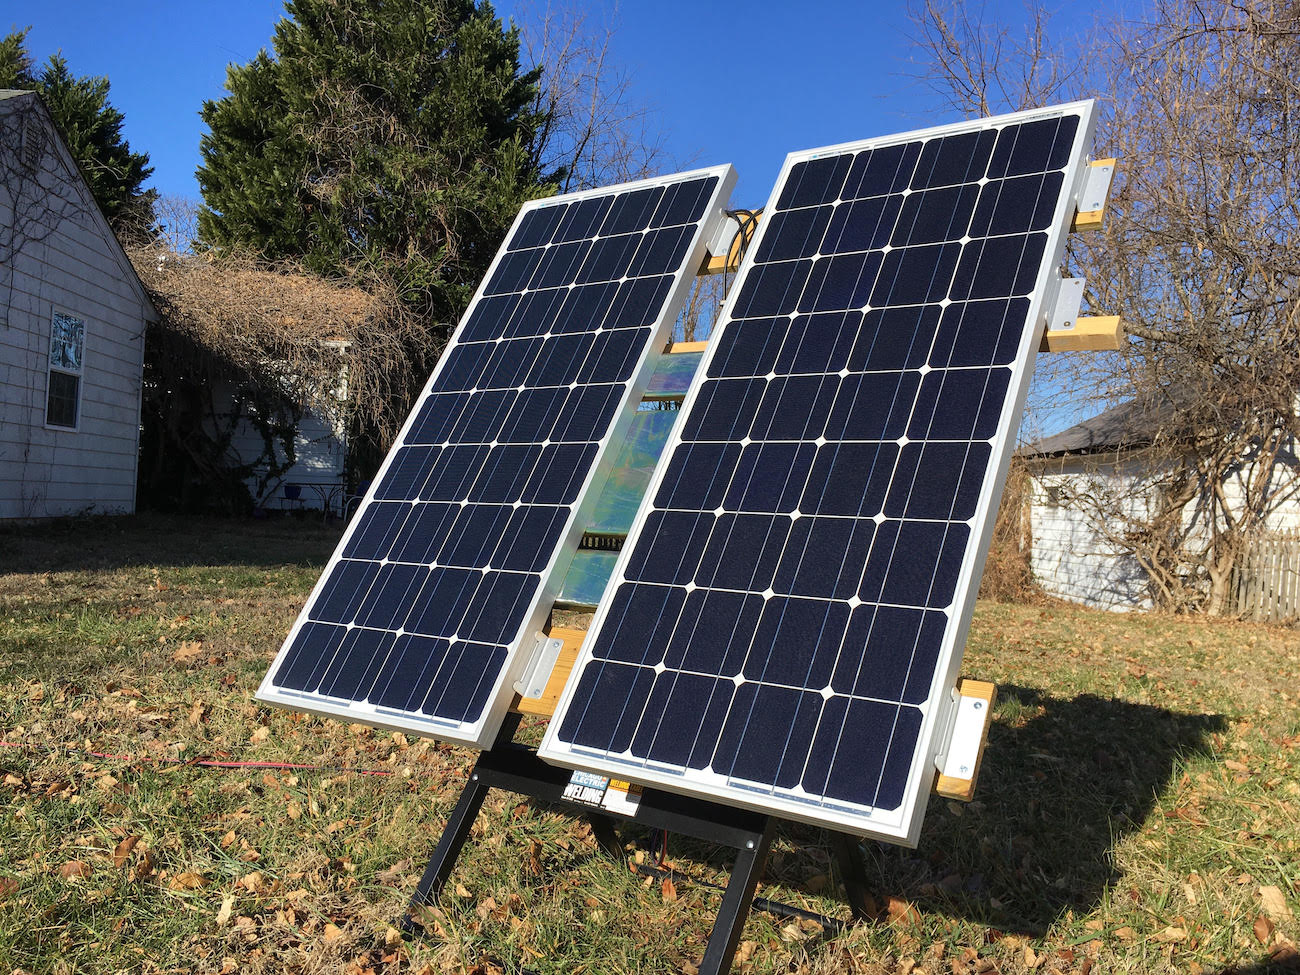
[[516, 768]]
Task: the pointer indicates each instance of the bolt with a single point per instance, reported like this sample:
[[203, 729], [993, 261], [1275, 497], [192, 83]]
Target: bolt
[[473, 778], [749, 844], [978, 705]]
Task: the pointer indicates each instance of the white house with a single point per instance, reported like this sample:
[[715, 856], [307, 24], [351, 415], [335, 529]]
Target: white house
[[315, 479], [72, 323], [1073, 552]]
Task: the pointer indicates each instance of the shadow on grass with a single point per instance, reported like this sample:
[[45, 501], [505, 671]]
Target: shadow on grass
[[1063, 781], [165, 541]]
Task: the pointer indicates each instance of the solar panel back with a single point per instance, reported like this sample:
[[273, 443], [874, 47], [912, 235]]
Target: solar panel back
[[427, 612], [785, 624]]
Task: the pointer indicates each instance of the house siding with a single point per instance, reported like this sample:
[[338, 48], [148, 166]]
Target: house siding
[[320, 455], [1071, 557], [77, 269]]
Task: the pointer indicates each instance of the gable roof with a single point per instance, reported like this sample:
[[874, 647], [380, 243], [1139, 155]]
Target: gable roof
[[96, 214], [1128, 426]]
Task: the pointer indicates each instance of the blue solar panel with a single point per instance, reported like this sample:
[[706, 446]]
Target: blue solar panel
[[450, 564], [786, 619]]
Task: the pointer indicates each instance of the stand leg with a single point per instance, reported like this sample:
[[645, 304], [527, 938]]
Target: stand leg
[[606, 835], [853, 874], [727, 929], [443, 861], [453, 838]]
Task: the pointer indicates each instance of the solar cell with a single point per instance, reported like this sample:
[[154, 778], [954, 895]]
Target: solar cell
[[430, 606], [785, 623]]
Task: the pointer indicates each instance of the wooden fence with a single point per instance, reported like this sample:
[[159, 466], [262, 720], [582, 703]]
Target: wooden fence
[[1266, 583]]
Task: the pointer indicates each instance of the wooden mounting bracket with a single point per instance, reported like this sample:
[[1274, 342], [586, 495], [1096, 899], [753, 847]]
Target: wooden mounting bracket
[[1089, 333], [1091, 211], [970, 734]]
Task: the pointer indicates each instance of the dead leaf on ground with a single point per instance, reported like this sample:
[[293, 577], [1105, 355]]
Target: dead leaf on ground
[[901, 911], [668, 889], [227, 906], [187, 653], [74, 869], [1284, 956], [1263, 929], [333, 933], [251, 882], [8, 887], [1273, 903], [186, 881], [260, 735], [122, 852]]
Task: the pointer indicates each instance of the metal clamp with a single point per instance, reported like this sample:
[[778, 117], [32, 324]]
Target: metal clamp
[[540, 664]]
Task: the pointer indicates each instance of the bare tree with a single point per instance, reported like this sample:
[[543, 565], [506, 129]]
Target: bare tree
[[599, 132], [176, 222], [1200, 255]]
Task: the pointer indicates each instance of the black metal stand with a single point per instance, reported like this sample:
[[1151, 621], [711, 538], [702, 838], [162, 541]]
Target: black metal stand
[[516, 768]]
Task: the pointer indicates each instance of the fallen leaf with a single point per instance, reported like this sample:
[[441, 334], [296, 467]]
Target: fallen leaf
[[188, 652], [1273, 903], [902, 911], [197, 712], [1171, 935], [186, 881], [1263, 929], [333, 932], [668, 889], [260, 735], [122, 852], [252, 882], [73, 869], [1284, 956], [143, 866], [227, 905], [1126, 934], [8, 887]]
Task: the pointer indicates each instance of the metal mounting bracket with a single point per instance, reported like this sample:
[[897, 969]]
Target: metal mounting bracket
[[1065, 309], [958, 760], [541, 661]]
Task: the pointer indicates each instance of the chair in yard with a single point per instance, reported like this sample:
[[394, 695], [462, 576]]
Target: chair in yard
[[353, 501]]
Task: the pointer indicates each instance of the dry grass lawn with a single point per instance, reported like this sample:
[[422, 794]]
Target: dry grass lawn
[[1139, 809]]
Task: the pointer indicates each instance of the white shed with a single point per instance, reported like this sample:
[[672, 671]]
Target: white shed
[[72, 324], [1083, 480]]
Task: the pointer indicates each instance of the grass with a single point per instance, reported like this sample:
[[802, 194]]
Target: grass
[[1139, 807]]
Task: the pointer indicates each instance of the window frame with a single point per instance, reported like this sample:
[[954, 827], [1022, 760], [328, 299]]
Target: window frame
[[79, 374]]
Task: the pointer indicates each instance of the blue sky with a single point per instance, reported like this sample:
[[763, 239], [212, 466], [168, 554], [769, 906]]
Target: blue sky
[[743, 83]]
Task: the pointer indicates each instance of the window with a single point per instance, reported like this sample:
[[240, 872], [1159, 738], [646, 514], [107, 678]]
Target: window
[[67, 349], [33, 144]]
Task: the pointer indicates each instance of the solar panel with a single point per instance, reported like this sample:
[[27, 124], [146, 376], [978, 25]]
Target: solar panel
[[785, 623], [429, 608]]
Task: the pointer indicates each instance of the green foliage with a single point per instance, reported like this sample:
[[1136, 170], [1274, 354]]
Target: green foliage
[[92, 129], [15, 62], [394, 137]]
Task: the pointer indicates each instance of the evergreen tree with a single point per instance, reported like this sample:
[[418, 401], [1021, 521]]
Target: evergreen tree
[[92, 129], [388, 136], [15, 62]]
